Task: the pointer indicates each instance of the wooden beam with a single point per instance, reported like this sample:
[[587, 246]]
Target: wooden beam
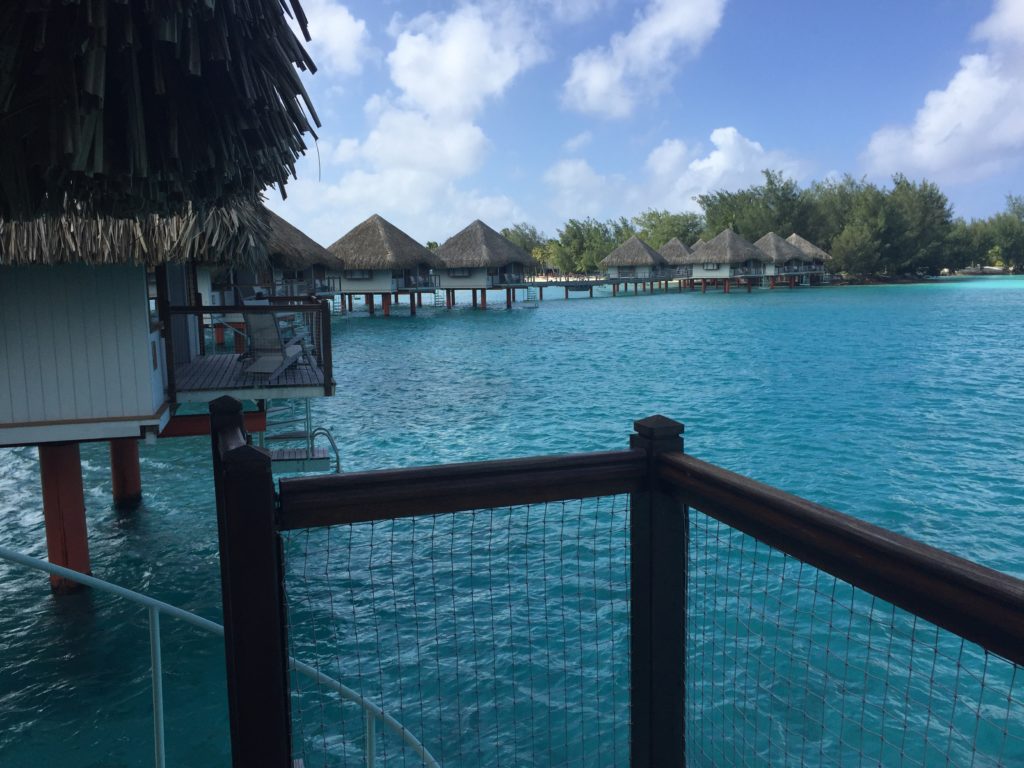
[[67, 541]]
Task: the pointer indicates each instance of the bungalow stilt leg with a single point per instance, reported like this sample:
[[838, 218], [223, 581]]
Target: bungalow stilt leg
[[413, 297], [483, 298], [567, 292], [749, 286], [540, 292], [703, 286], [67, 542], [591, 291], [218, 334], [125, 475], [634, 289], [419, 299], [239, 337], [508, 298], [473, 293], [385, 304], [369, 303]]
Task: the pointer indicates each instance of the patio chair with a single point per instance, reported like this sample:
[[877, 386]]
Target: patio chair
[[268, 352]]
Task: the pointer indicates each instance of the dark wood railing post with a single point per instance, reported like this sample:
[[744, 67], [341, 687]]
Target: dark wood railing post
[[251, 566], [163, 311], [658, 561], [326, 353]]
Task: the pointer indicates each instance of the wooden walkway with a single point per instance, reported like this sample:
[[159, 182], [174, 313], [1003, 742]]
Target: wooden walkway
[[224, 372]]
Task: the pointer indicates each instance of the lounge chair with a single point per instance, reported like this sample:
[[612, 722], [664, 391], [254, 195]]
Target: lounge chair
[[267, 350]]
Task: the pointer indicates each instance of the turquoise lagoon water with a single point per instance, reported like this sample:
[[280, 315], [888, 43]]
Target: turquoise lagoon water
[[901, 405]]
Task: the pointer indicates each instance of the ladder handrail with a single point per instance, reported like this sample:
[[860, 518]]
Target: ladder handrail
[[371, 711]]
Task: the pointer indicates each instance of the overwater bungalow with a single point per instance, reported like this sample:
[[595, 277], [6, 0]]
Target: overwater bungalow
[[678, 258], [478, 258], [787, 261], [299, 264], [376, 258], [634, 259], [816, 259], [726, 258]]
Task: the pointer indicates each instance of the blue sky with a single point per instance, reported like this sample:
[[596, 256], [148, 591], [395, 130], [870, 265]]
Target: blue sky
[[437, 113]]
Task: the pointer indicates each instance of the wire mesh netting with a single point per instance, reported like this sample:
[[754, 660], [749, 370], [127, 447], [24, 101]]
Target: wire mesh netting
[[495, 636], [788, 665]]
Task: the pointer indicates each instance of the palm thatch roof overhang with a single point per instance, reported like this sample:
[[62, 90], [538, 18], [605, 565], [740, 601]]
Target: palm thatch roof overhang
[[131, 108], [478, 246], [729, 248], [377, 244], [778, 250], [810, 250], [290, 248], [675, 253], [633, 253], [700, 242], [234, 235]]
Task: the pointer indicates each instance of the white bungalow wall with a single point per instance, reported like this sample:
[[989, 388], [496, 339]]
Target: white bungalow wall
[[722, 272], [630, 273], [477, 278], [78, 359], [380, 282]]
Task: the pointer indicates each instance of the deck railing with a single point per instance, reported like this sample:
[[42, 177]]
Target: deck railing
[[530, 610], [218, 333]]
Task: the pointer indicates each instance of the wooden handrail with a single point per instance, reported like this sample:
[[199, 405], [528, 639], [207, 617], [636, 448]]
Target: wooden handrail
[[387, 494], [977, 603], [224, 309]]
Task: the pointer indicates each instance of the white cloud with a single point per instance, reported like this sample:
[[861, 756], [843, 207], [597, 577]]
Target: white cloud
[[577, 142], [674, 175], [423, 140], [610, 81], [340, 43], [452, 64], [974, 127]]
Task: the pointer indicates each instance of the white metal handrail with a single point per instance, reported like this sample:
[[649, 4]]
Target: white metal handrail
[[371, 712]]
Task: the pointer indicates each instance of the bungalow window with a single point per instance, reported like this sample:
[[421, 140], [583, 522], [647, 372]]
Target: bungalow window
[[357, 274], [458, 272], [291, 274], [709, 265]]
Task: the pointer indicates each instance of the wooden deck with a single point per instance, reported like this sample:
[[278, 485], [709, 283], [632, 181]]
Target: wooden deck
[[211, 376]]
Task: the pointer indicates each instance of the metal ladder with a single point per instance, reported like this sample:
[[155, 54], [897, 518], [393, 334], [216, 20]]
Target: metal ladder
[[439, 299], [291, 424]]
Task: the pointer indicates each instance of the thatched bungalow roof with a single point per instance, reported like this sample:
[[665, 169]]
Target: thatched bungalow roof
[[633, 253], [778, 250], [729, 248], [810, 250], [675, 253], [134, 108], [699, 243], [290, 248], [232, 235], [478, 246], [377, 244]]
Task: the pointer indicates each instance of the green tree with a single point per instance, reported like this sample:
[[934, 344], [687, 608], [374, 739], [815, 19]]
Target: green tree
[[658, 227], [432, 245], [525, 236], [585, 242], [919, 222]]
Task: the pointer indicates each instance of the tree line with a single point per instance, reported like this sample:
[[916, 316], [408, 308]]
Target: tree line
[[905, 228]]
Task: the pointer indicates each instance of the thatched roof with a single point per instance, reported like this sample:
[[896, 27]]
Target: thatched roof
[[675, 253], [231, 235], [633, 253], [809, 249], [729, 248], [132, 108], [290, 248], [778, 250], [479, 246], [699, 243], [379, 244]]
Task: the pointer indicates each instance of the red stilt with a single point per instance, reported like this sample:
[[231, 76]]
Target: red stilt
[[771, 282], [67, 541], [239, 340], [474, 297], [727, 285], [385, 304], [218, 334], [419, 299], [412, 304], [125, 476], [792, 282], [508, 298], [369, 303], [703, 286], [483, 298]]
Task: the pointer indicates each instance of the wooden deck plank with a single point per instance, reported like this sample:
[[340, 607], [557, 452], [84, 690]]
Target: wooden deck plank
[[220, 372]]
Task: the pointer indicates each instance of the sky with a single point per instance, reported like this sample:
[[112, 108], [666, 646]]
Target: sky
[[438, 113]]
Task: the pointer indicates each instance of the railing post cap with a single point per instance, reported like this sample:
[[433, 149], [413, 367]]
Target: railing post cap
[[658, 427], [225, 404]]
